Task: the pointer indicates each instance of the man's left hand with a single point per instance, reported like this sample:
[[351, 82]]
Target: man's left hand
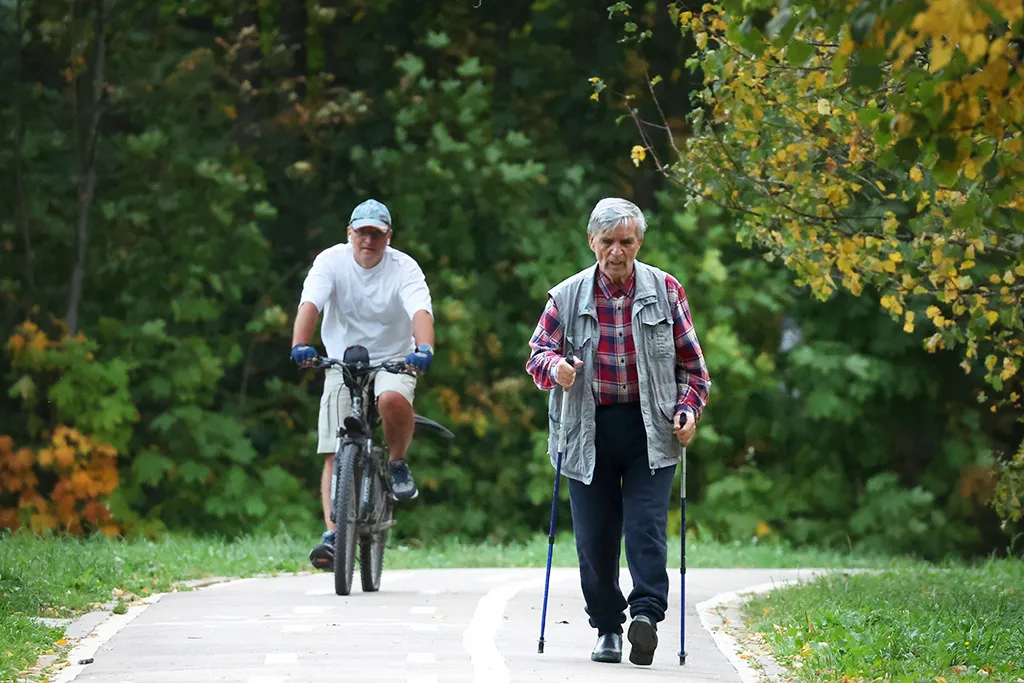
[[684, 427], [420, 358]]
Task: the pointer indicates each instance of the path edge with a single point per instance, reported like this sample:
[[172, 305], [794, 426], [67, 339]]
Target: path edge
[[732, 647]]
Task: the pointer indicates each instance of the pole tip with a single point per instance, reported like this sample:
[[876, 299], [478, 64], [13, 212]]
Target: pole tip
[[540, 647], [682, 658]]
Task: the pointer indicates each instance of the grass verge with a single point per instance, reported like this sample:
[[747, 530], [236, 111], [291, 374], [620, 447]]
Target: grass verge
[[55, 577], [944, 624]]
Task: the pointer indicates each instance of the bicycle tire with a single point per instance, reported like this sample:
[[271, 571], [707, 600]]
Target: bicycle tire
[[345, 508], [372, 545]]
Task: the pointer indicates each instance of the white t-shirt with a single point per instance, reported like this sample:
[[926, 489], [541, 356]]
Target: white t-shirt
[[369, 307]]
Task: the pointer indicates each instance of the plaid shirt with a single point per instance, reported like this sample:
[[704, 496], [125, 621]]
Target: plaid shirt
[[615, 373]]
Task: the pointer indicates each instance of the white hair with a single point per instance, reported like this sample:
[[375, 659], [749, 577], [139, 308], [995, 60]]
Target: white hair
[[611, 212]]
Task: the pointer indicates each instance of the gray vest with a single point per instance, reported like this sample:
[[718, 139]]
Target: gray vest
[[656, 368]]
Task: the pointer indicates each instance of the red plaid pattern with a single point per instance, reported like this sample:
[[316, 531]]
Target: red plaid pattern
[[615, 374]]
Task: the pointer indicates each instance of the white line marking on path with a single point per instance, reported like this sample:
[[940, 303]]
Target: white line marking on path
[[298, 628], [478, 638], [281, 658], [88, 646], [312, 609], [423, 627], [421, 658], [432, 591], [421, 679], [422, 610], [266, 679]]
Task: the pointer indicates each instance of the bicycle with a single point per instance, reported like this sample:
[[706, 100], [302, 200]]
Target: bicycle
[[361, 489]]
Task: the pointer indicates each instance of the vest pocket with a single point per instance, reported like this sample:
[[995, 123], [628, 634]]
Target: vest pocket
[[657, 330]]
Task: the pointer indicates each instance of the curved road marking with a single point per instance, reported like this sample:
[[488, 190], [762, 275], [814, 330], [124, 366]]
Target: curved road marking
[[478, 638]]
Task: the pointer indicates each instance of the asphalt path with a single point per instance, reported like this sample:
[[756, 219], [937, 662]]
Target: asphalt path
[[423, 626]]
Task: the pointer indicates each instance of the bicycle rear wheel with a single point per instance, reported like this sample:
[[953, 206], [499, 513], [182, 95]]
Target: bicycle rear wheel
[[345, 506], [372, 544]]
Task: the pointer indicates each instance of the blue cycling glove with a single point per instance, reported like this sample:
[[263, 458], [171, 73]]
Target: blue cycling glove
[[421, 357], [302, 353]]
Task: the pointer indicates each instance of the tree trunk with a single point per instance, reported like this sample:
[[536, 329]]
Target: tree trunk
[[248, 66], [331, 36], [294, 23], [19, 171], [87, 165]]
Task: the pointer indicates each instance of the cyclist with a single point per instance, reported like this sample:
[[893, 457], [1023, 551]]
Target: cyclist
[[375, 296]]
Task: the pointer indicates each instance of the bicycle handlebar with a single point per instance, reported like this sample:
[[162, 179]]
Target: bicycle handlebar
[[398, 367]]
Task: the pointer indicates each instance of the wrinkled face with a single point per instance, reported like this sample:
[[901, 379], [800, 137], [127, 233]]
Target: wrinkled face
[[368, 245], [616, 250]]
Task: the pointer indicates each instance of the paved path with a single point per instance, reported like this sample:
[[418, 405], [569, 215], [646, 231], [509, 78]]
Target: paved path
[[424, 626]]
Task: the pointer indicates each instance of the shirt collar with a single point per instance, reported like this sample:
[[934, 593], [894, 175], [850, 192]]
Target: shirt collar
[[614, 291]]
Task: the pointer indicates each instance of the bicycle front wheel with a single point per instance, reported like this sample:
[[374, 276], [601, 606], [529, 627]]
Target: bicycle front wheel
[[345, 506], [372, 544]]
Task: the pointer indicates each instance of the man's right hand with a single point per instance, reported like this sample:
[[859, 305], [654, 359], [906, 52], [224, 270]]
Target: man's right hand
[[301, 353], [565, 374]]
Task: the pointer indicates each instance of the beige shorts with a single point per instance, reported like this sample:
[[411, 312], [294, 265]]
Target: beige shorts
[[336, 402]]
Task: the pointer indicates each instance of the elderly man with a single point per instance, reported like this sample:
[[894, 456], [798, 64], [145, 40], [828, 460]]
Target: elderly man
[[644, 386], [375, 296]]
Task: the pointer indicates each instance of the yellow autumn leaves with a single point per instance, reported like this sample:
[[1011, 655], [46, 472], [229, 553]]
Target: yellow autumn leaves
[[796, 152], [950, 24], [637, 154]]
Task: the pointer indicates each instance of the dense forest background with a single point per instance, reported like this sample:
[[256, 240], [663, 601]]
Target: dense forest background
[[171, 169]]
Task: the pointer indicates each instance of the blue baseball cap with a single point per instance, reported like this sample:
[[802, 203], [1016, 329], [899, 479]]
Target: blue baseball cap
[[371, 213]]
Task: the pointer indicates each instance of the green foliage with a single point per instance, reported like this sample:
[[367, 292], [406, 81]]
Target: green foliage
[[793, 450], [1009, 494], [232, 145]]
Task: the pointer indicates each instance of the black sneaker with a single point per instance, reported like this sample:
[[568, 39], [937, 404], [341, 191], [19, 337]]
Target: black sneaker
[[322, 556], [403, 488]]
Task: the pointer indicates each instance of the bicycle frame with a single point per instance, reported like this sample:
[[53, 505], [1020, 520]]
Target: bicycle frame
[[358, 428]]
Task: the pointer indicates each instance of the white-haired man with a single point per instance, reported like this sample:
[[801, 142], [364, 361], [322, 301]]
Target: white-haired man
[[377, 297], [644, 387]]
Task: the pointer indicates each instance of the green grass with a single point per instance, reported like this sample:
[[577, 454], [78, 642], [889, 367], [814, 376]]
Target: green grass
[[22, 640], [951, 623], [52, 577], [699, 553]]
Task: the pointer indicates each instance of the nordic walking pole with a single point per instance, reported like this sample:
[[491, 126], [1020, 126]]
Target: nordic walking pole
[[682, 562], [554, 512]]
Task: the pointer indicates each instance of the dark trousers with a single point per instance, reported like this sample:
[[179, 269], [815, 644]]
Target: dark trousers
[[627, 499]]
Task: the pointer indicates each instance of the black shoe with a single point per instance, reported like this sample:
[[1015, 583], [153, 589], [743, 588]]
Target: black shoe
[[643, 640], [608, 648], [403, 488], [322, 556]]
